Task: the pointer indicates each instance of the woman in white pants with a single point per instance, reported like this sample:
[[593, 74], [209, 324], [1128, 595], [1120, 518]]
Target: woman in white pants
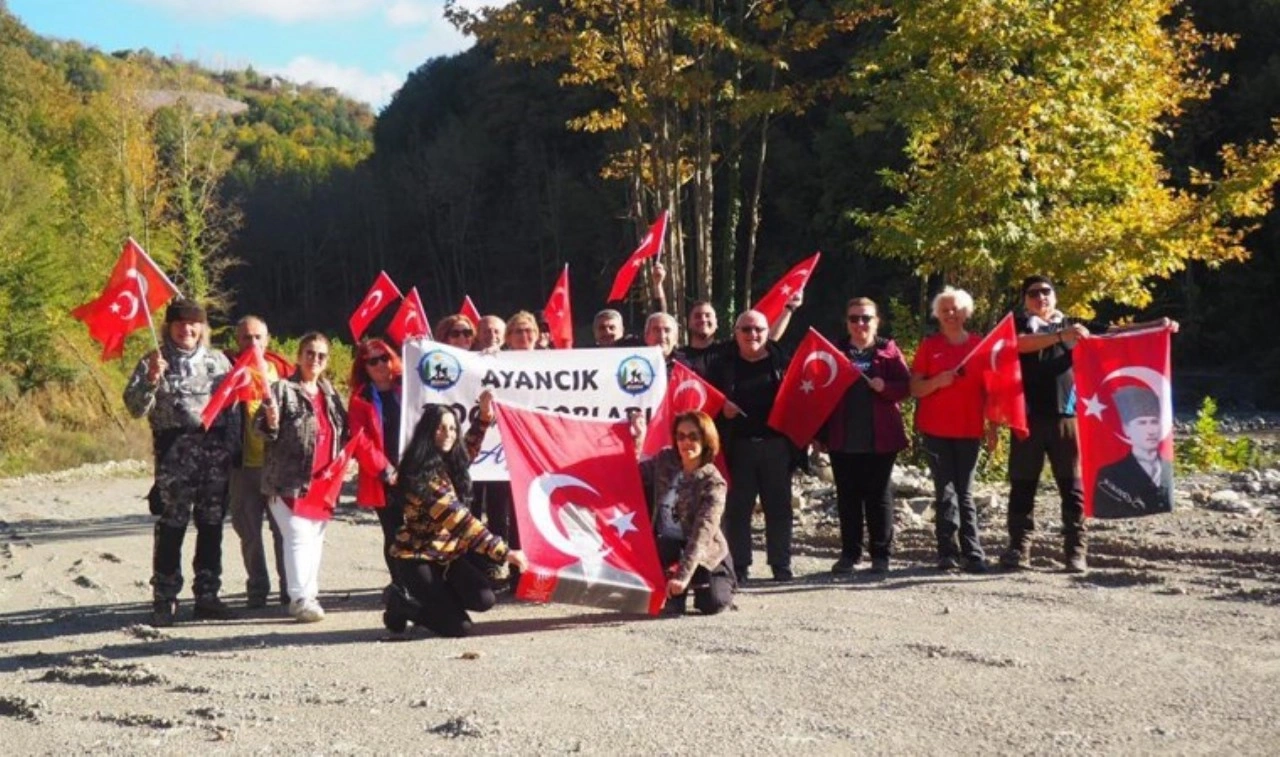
[[305, 425]]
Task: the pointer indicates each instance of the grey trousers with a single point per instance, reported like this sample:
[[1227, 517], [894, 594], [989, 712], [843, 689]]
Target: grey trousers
[[248, 510]]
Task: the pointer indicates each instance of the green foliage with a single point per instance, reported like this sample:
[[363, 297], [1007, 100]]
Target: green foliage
[[1206, 448]]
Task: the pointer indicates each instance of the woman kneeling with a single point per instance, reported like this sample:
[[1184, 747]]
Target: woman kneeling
[[441, 548]]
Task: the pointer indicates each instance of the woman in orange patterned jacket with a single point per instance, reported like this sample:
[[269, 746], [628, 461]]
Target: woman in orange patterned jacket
[[441, 548]]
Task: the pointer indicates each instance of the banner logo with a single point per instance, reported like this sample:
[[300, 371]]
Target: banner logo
[[439, 370], [635, 375]]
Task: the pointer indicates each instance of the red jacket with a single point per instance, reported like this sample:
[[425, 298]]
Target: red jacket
[[371, 491]]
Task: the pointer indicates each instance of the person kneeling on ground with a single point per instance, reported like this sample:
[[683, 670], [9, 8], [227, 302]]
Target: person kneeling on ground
[[441, 548], [686, 496]]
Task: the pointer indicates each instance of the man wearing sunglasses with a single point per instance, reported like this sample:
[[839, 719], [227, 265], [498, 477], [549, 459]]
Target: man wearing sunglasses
[[1045, 340]]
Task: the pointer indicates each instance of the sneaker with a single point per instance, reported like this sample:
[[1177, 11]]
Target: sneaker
[[948, 562], [783, 575], [394, 622], [1076, 562], [844, 565], [879, 566], [164, 612], [209, 607], [1015, 558], [975, 565], [306, 611], [256, 601]]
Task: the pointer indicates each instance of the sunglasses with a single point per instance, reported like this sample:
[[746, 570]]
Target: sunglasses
[[318, 356], [377, 360], [863, 319], [457, 333], [1040, 292], [689, 437]]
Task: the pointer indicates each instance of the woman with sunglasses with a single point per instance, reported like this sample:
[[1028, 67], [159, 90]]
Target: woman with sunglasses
[[442, 549], [457, 331], [686, 495], [864, 435], [305, 426], [375, 409]]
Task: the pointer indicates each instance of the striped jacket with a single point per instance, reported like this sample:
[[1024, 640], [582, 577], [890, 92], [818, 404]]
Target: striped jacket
[[437, 526]]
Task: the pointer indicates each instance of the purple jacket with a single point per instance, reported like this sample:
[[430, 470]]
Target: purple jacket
[[890, 436]]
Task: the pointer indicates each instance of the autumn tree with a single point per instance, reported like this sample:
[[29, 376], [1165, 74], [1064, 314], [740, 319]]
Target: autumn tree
[[1033, 135]]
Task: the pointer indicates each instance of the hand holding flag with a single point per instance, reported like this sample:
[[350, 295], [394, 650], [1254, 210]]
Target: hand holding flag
[[246, 382], [996, 356]]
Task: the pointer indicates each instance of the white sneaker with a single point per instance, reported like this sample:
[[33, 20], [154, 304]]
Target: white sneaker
[[306, 611]]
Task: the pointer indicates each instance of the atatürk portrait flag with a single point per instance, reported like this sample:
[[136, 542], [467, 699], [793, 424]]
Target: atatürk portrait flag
[[1125, 416]]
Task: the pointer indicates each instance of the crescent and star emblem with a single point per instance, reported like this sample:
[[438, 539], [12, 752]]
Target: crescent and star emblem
[[132, 300], [1153, 380], [691, 385], [995, 350], [371, 301], [828, 360], [579, 537]]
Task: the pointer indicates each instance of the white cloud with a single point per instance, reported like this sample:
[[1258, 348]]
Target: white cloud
[[373, 88], [411, 13], [285, 11]]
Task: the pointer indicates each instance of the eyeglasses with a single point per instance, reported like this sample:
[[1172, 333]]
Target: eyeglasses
[[373, 360], [319, 357], [456, 333], [690, 436], [863, 319], [753, 329], [1040, 292]]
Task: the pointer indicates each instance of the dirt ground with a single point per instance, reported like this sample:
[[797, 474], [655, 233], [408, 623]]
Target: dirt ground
[[1170, 644]]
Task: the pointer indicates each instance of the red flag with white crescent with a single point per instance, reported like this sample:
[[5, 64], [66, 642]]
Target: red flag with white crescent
[[1124, 411], [379, 296], [247, 382], [996, 356], [775, 300], [322, 494], [410, 320], [815, 381], [650, 246], [686, 391], [559, 313], [580, 506], [469, 309], [135, 288]]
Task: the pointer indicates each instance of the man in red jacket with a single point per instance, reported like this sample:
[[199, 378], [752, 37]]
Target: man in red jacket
[[246, 501]]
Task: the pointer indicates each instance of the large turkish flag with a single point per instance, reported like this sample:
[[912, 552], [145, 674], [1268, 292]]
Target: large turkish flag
[[815, 381], [1124, 408], [996, 359], [580, 506], [136, 289]]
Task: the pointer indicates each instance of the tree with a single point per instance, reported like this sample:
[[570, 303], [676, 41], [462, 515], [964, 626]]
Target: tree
[[1033, 133]]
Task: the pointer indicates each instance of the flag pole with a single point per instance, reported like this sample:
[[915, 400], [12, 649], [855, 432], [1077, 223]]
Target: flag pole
[[146, 308]]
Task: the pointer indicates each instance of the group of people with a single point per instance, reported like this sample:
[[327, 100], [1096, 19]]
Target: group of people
[[448, 542]]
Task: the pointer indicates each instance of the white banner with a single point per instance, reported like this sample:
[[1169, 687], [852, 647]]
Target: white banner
[[592, 383]]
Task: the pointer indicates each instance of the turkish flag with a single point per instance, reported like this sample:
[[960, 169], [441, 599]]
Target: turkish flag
[[686, 391], [246, 382], [581, 511], [378, 298], [775, 300], [649, 247], [996, 356], [135, 289], [815, 381], [322, 494], [470, 310], [559, 314], [410, 320], [1125, 423]]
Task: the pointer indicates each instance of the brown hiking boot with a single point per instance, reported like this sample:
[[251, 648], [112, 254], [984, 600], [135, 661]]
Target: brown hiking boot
[[1015, 558], [164, 612], [1076, 561]]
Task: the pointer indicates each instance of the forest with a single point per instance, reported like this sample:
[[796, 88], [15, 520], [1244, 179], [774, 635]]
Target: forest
[[1127, 148]]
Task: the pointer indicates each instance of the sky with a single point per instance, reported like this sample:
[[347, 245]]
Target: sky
[[363, 48]]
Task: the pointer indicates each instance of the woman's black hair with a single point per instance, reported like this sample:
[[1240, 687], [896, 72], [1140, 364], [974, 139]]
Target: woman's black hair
[[422, 459]]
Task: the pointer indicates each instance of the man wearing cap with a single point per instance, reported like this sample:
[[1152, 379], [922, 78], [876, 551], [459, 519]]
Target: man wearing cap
[[1045, 340], [172, 386], [1141, 482]]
